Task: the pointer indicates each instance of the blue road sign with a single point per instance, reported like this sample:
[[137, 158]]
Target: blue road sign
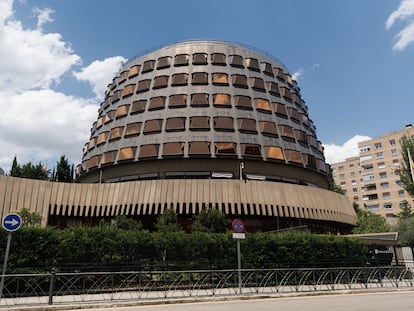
[[238, 226], [12, 222]]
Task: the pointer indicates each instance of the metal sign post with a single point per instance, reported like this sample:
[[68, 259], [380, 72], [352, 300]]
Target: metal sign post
[[238, 234], [11, 223]]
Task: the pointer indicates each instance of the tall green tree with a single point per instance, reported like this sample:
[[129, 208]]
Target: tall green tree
[[30, 218], [63, 170], [16, 170], [407, 146], [167, 221], [368, 222], [210, 220]]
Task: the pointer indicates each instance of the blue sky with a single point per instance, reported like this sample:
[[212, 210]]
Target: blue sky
[[354, 62]]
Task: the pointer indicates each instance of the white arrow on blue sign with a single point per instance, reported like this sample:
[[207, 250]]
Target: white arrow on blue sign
[[12, 222]]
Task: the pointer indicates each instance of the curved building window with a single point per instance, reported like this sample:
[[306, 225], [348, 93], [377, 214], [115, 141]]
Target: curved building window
[[286, 131], [133, 129], [143, 85], [123, 76], [116, 133], [310, 160], [280, 74], [262, 105], [127, 153], [109, 116], [117, 96], [243, 102], [181, 60], [267, 69], [239, 81], [93, 162], [173, 149], [179, 79], [177, 101], [223, 124], [280, 109], [218, 59], [199, 78], [122, 111], [268, 128], [200, 123], [225, 149], [149, 151], [164, 62], [148, 66], [220, 78], [293, 156], [160, 82], [257, 84], [102, 138], [273, 88], [300, 136], [175, 124], [152, 126], [99, 122], [134, 71], [128, 90], [250, 150], [200, 59], [138, 106], [109, 157], [236, 61], [252, 64], [221, 100], [273, 152], [293, 114], [156, 103], [92, 143], [197, 148], [285, 92], [247, 126], [312, 141], [199, 100]]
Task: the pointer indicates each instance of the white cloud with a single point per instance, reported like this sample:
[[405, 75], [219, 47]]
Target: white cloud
[[405, 12], [335, 153], [301, 72], [43, 16], [99, 73]]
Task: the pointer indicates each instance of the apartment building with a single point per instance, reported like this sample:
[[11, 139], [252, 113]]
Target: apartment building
[[371, 179]]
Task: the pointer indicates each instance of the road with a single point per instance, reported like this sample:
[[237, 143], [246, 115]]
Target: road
[[384, 301]]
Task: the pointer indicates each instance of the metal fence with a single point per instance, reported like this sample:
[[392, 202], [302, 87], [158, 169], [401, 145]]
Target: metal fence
[[63, 288]]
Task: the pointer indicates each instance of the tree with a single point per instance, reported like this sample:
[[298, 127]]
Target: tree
[[63, 170], [337, 189], [210, 220], [168, 222], [406, 210], [16, 170], [407, 146], [29, 218], [123, 222], [368, 222], [405, 230], [29, 170]]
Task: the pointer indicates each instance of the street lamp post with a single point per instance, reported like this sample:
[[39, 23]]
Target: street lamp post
[[241, 170]]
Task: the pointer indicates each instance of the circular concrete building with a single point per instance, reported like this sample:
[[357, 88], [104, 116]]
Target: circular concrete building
[[198, 117], [190, 126]]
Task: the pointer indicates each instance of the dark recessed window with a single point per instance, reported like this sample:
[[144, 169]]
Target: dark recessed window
[[199, 100], [199, 78], [199, 148], [175, 124], [123, 76], [200, 123], [152, 126], [220, 78], [285, 92], [200, 59], [293, 114], [250, 150], [218, 59], [223, 124], [181, 60], [134, 71], [273, 88], [143, 85], [309, 160], [148, 66], [160, 82], [279, 109], [138, 106], [116, 133], [128, 90], [177, 101], [173, 149], [133, 129], [236, 61], [109, 157], [156, 103], [239, 81], [117, 96], [286, 131], [122, 111], [268, 128], [127, 153], [92, 143], [243, 102], [267, 69], [225, 148], [293, 156], [300, 136], [179, 79], [274, 153], [262, 105], [252, 64], [279, 73], [221, 100], [247, 126], [257, 84], [164, 62], [102, 137], [149, 151]]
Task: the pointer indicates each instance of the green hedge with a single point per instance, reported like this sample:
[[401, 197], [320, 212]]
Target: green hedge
[[35, 249]]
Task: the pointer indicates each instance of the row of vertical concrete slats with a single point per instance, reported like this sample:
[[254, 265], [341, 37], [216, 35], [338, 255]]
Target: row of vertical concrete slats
[[185, 195]]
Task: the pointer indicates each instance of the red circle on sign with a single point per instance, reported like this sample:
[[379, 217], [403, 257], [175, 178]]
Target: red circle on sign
[[238, 226]]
